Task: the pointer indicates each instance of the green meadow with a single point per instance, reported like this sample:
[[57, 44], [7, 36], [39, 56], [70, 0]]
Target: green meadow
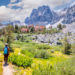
[[30, 58]]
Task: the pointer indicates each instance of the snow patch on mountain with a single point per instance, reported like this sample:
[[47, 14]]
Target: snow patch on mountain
[[55, 25], [72, 4]]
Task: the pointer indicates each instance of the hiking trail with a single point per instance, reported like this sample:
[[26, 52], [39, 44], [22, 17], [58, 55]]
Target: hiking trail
[[7, 70]]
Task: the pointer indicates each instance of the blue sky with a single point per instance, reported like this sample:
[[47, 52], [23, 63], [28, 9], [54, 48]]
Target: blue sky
[[4, 2], [20, 9]]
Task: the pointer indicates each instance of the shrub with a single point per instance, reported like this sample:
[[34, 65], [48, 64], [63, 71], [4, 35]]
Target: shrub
[[26, 52], [18, 37], [67, 47], [59, 26], [42, 54], [52, 51], [43, 46], [31, 50], [36, 53], [11, 49], [20, 60]]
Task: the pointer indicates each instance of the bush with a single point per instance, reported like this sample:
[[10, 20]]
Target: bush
[[60, 27], [42, 54], [11, 49], [32, 50], [26, 52], [20, 60], [36, 53], [18, 37], [43, 46]]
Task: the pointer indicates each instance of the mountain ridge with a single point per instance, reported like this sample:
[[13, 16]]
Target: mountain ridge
[[43, 15]]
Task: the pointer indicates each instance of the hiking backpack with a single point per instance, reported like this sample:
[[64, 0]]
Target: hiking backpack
[[5, 50]]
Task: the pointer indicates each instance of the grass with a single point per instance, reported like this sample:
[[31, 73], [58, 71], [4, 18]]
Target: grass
[[1, 61], [1, 57], [29, 48], [51, 66], [51, 61], [66, 67], [1, 70], [1, 45]]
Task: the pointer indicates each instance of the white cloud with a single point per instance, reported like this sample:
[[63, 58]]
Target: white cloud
[[7, 13], [32, 3], [12, 1]]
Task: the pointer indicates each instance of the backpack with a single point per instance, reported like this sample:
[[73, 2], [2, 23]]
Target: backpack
[[5, 50]]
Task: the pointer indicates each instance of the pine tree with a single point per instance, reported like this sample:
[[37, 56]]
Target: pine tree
[[59, 27], [8, 35], [16, 28], [67, 46]]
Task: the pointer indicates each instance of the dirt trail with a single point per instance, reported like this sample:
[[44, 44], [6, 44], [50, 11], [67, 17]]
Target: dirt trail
[[7, 70]]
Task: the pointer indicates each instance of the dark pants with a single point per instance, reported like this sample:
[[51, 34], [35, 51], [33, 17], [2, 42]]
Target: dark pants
[[5, 58]]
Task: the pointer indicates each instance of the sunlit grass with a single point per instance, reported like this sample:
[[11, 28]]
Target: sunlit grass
[[1, 61], [66, 67], [17, 50], [56, 57]]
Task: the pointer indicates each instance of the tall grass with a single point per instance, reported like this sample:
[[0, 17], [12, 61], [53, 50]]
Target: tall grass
[[63, 68]]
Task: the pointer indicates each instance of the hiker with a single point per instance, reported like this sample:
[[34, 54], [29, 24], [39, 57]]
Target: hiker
[[6, 53]]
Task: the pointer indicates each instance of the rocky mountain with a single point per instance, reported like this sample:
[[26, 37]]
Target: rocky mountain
[[44, 16], [70, 15], [55, 18]]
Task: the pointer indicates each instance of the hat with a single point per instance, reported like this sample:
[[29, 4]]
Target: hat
[[6, 44]]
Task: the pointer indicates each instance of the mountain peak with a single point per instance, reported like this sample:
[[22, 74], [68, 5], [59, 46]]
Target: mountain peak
[[42, 16]]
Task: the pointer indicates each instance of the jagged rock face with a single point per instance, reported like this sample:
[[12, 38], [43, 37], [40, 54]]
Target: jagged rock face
[[55, 18], [42, 16], [69, 16]]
